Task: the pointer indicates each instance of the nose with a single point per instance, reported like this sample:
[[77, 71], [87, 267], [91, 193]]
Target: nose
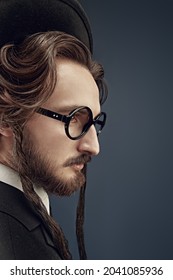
[[89, 143]]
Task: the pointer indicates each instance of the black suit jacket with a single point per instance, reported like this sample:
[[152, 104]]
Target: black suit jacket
[[23, 234]]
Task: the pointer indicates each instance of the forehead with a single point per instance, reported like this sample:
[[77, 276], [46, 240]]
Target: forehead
[[75, 87]]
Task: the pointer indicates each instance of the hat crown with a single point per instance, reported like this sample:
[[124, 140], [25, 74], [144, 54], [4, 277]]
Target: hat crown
[[20, 18]]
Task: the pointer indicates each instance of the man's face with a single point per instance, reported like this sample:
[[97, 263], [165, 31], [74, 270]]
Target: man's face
[[56, 162]]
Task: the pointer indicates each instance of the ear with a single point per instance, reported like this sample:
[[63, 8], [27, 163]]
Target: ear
[[6, 131]]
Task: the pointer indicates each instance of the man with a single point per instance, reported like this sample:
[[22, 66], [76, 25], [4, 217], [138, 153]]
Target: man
[[51, 93]]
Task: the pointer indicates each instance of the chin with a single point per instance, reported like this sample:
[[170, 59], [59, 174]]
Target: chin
[[66, 182]]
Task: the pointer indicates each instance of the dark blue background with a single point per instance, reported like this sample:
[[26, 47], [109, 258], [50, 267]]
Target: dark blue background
[[129, 200]]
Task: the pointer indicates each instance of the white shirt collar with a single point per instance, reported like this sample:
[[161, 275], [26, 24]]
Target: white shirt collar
[[11, 177]]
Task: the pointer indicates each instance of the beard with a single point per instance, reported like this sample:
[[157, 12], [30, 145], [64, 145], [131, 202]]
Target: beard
[[42, 172]]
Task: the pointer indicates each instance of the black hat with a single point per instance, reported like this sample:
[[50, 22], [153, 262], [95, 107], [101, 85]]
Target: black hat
[[20, 18]]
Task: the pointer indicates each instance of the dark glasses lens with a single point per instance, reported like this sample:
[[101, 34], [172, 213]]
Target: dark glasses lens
[[99, 122]]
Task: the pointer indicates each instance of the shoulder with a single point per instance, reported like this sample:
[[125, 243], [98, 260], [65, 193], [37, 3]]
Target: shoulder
[[22, 232], [14, 204]]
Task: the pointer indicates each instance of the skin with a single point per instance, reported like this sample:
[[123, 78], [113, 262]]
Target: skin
[[48, 144]]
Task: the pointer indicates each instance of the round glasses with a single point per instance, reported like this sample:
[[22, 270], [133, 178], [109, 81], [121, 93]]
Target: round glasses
[[78, 122]]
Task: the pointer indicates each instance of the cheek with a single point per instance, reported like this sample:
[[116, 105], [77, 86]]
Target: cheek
[[50, 139], [45, 132], [58, 149]]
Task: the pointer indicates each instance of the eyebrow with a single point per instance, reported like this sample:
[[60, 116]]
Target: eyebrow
[[65, 109]]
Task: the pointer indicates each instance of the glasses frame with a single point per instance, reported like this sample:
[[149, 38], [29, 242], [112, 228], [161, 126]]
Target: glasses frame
[[67, 118]]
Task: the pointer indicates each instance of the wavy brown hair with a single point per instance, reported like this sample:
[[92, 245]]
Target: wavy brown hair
[[27, 79]]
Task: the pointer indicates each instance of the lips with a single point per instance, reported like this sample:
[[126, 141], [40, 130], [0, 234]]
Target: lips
[[78, 162], [78, 167]]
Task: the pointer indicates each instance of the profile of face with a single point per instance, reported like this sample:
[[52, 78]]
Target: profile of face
[[55, 161]]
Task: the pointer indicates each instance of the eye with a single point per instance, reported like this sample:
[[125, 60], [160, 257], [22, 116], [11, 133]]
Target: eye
[[81, 117], [75, 118]]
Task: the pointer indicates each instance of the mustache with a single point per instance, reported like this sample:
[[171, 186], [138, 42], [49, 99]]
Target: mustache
[[83, 159]]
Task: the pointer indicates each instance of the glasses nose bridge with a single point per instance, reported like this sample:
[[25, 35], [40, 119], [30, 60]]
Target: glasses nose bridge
[[92, 129], [93, 123]]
